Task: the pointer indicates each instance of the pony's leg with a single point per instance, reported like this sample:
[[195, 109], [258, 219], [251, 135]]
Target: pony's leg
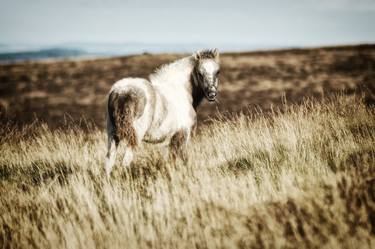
[[111, 155], [131, 145], [139, 129], [178, 145]]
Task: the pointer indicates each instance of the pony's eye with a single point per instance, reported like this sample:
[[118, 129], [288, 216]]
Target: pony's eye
[[218, 72]]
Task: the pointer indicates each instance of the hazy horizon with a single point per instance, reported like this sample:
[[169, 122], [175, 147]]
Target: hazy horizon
[[281, 23]]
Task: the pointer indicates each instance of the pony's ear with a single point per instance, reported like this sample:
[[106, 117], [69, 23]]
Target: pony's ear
[[197, 55], [216, 54]]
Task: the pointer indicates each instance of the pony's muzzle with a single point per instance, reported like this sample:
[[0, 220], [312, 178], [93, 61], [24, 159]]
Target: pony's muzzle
[[212, 93]]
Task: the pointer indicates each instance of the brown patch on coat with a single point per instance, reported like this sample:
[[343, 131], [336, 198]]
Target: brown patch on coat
[[176, 145], [123, 109]]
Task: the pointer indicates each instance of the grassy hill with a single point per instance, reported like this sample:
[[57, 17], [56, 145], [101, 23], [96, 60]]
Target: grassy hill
[[59, 92], [300, 177]]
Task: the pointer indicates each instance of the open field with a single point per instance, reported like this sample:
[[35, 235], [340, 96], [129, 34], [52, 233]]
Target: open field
[[285, 160], [301, 178], [58, 92]]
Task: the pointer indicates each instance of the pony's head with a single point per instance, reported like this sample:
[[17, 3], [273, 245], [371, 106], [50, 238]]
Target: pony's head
[[206, 72]]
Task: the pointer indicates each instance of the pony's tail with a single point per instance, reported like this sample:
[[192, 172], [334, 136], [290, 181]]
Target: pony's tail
[[121, 113]]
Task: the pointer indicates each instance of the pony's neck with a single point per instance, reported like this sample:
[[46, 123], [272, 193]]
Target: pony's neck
[[180, 73]]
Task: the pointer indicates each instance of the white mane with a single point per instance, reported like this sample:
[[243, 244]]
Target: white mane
[[177, 72]]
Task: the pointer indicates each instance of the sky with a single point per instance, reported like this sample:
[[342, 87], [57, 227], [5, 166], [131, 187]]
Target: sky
[[267, 22]]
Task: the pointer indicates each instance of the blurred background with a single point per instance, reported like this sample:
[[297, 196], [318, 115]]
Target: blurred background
[[58, 59], [117, 27]]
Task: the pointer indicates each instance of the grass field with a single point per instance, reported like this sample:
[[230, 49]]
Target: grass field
[[300, 177]]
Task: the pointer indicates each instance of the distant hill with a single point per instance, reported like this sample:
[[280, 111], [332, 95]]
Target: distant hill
[[41, 54], [22, 52]]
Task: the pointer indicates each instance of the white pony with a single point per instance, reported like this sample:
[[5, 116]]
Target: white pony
[[163, 109]]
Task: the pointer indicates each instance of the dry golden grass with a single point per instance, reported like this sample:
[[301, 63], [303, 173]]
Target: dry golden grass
[[304, 177]]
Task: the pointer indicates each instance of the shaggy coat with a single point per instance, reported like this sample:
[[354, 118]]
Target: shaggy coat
[[161, 109]]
